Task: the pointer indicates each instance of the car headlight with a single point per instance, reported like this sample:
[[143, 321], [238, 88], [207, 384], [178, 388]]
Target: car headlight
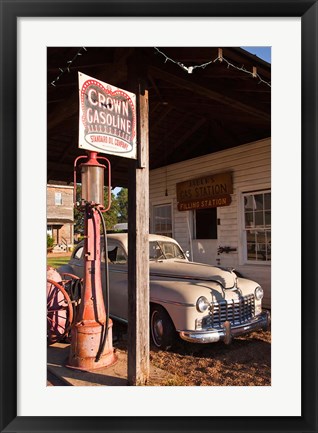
[[202, 304], [259, 293]]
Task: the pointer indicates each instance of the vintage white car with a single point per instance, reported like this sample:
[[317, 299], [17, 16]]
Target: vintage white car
[[200, 302]]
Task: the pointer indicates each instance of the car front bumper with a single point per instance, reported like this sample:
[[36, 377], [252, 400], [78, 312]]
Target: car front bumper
[[228, 331]]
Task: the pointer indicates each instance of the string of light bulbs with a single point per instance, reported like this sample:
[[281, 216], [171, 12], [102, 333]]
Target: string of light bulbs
[[68, 65], [188, 69], [220, 58]]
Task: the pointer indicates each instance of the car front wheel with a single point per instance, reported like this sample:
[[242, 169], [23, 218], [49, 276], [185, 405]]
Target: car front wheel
[[162, 330]]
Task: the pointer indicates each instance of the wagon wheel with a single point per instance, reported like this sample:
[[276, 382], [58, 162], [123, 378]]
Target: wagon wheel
[[73, 286], [59, 312], [67, 276]]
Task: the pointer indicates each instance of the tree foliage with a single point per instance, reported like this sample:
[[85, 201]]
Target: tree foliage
[[111, 216], [49, 242], [122, 198], [118, 211]]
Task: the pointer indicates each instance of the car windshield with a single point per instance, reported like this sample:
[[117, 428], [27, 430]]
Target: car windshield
[[161, 250]]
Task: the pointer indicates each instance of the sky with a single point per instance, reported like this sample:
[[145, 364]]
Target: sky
[[263, 52]]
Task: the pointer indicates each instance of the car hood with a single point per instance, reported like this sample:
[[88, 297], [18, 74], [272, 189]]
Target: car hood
[[193, 271]]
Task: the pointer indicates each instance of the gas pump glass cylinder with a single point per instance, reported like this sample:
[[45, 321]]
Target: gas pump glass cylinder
[[93, 184]]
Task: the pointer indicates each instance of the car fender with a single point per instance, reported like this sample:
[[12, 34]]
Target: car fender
[[66, 269], [179, 299], [247, 286]]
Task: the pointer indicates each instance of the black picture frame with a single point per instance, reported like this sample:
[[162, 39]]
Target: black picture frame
[[10, 11]]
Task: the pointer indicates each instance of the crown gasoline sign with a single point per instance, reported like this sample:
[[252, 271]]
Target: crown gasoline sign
[[107, 121]]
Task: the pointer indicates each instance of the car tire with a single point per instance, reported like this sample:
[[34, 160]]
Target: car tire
[[162, 330]]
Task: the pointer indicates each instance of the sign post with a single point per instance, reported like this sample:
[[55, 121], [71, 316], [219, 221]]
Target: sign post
[[138, 252]]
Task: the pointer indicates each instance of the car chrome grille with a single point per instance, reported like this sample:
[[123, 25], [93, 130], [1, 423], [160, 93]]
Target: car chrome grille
[[236, 311]]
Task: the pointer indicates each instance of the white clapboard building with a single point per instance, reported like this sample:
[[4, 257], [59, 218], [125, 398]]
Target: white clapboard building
[[219, 221]]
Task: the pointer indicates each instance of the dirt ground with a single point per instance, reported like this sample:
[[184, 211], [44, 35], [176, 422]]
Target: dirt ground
[[245, 362]]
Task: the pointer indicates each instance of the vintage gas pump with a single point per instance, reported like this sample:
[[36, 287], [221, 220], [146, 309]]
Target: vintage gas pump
[[91, 342]]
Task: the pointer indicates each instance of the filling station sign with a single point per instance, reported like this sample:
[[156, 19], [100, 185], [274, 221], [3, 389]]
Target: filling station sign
[[205, 192], [107, 120]]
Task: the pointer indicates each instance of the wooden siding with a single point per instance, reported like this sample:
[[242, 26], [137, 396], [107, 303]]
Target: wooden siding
[[250, 165], [65, 211]]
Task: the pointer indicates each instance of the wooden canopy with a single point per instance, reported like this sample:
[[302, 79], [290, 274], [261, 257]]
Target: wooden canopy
[[225, 101]]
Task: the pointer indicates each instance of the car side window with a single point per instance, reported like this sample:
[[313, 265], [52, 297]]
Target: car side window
[[115, 254], [78, 253], [121, 256], [154, 251], [168, 249], [112, 254]]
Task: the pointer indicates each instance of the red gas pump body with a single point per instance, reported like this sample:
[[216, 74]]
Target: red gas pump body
[[91, 335]]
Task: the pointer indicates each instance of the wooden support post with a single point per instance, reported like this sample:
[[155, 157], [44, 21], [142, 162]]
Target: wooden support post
[[138, 253]]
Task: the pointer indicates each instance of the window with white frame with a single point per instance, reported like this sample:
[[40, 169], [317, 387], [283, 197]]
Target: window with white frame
[[257, 226], [58, 198], [162, 220]]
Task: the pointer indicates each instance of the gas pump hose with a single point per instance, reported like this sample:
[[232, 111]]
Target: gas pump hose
[[105, 330]]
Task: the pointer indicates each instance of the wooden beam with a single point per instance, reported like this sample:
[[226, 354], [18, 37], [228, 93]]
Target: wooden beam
[[162, 116], [154, 85], [138, 252], [67, 110], [154, 107], [207, 92], [57, 167], [161, 159], [190, 132]]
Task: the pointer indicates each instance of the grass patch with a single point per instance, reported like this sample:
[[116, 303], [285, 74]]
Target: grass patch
[[55, 262]]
